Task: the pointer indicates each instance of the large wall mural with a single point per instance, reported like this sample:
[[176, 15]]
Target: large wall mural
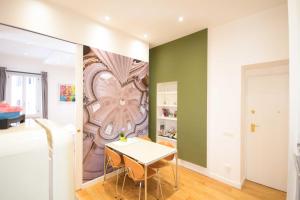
[[115, 99]]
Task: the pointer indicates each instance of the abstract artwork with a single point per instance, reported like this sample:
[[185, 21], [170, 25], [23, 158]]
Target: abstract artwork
[[115, 99], [67, 93]]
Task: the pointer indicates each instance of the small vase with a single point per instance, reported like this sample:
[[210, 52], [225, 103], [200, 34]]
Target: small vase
[[123, 139]]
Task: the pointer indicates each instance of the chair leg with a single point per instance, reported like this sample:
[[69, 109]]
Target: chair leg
[[105, 171], [159, 184], [124, 182], [117, 183], [157, 191], [157, 188], [173, 174], [161, 192], [140, 190]]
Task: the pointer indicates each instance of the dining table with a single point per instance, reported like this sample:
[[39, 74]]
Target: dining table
[[144, 152]]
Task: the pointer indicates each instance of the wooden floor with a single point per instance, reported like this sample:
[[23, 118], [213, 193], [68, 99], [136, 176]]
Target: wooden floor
[[192, 186]]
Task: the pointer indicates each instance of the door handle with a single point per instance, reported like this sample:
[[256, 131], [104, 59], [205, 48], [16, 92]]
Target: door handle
[[253, 127]]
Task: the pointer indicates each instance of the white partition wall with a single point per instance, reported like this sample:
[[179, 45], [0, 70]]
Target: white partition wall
[[24, 163], [259, 38]]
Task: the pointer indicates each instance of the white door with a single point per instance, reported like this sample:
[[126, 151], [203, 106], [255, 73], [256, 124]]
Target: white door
[[267, 126]]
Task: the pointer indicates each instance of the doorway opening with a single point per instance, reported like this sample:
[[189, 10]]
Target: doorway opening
[[32, 60], [264, 140], [25, 57]]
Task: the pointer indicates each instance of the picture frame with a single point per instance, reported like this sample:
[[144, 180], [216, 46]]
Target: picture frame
[[66, 92]]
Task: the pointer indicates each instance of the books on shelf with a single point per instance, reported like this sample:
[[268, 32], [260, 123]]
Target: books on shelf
[[168, 105], [168, 138], [167, 118]]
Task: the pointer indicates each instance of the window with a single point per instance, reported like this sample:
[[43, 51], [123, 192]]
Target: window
[[25, 90]]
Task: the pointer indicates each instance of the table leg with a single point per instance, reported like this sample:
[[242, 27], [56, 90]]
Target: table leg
[[176, 182], [146, 171]]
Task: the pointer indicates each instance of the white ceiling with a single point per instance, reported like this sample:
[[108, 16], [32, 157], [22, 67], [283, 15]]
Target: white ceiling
[[50, 51], [159, 18]]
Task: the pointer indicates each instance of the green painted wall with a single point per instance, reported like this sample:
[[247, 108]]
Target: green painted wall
[[185, 61]]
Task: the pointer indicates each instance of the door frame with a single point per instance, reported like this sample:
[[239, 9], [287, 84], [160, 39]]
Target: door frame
[[78, 164], [244, 69]]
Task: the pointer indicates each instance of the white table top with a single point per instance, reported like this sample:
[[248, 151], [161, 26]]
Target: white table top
[[144, 151]]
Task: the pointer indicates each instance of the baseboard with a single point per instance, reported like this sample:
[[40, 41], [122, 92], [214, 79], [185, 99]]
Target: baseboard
[[243, 181], [206, 172], [222, 179], [193, 167]]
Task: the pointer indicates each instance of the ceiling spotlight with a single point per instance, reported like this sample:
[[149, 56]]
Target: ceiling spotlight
[[145, 35], [107, 18], [180, 19]]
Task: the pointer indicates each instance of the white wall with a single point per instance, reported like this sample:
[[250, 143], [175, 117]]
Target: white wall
[[294, 33], [59, 112], [259, 38], [42, 17]]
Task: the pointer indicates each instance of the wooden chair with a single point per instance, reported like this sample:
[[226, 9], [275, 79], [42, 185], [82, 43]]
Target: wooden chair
[[115, 161], [136, 172], [166, 161], [145, 137]]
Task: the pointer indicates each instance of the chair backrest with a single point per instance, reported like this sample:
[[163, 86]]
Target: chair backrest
[[114, 158], [145, 137], [135, 170], [168, 144]]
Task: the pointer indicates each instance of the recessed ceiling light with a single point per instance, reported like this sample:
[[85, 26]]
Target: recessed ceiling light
[[26, 54], [145, 35], [180, 19], [107, 18]]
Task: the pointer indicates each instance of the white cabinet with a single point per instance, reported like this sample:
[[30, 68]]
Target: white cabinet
[[166, 112]]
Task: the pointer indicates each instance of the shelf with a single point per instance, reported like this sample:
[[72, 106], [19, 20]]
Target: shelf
[[166, 98], [168, 92], [167, 118], [168, 105], [166, 138]]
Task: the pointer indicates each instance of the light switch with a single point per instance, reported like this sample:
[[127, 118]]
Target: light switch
[[228, 134]]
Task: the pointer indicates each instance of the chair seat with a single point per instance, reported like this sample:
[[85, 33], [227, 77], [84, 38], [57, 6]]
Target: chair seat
[[159, 164], [120, 166]]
